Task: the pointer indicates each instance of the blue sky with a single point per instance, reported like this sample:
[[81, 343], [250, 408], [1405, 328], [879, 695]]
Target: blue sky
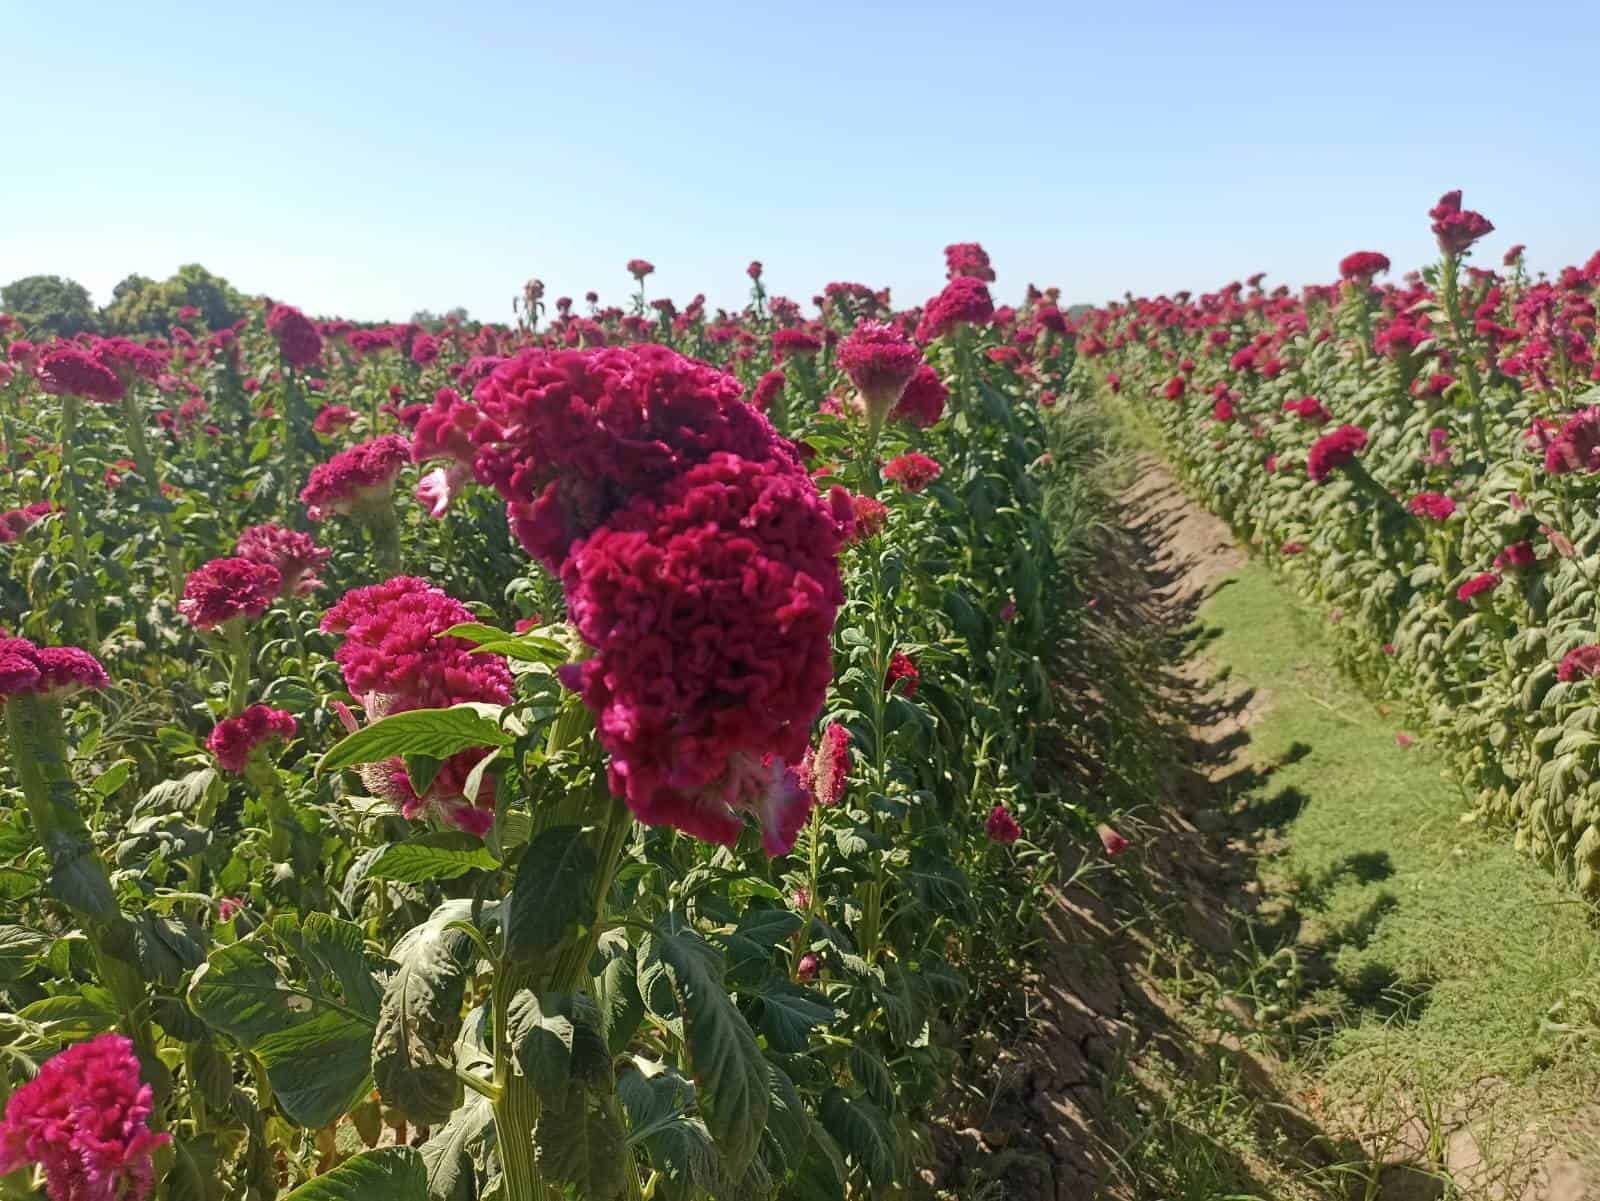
[[372, 160]]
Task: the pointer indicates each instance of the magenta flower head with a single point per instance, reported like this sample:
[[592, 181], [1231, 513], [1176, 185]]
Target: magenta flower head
[[1577, 446], [639, 268], [1519, 556], [55, 672], [913, 471], [1435, 506], [1001, 827], [871, 515], [358, 480], [768, 389], [1335, 450], [1580, 663], [129, 359], [1361, 266], [880, 362], [296, 556], [227, 589], [902, 671], [1174, 388], [922, 403], [85, 1119], [1111, 842], [234, 740], [754, 269], [964, 301], [788, 343], [827, 765], [1479, 585], [68, 371], [1309, 409], [1457, 228], [968, 260], [296, 335]]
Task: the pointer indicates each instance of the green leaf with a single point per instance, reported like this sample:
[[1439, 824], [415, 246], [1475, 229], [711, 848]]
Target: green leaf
[[525, 648], [438, 733], [863, 1133], [113, 778], [541, 1043], [551, 892], [420, 1016], [18, 946], [725, 1061], [70, 1018], [579, 1141], [389, 1174], [449, 1152], [616, 991], [423, 859], [659, 1103], [787, 1014]]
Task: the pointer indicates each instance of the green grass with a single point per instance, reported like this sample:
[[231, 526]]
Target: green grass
[[1431, 951]]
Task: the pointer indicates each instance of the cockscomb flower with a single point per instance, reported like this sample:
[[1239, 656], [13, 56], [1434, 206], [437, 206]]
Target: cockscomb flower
[[296, 335], [806, 969], [913, 471], [870, 514], [1111, 842], [233, 740], [1292, 548], [68, 371], [827, 765], [1175, 388], [1001, 827], [964, 301], [425, 349], [639, 268], [705, 707], [1479, 585], [1361, 266], [129, 359], [968, 260], [297, 556], [1580, 663], [357, 480], [902, 675], [754, 269], [768, 389], [1577, 446], [1309, 409], [27, 669], [922, 403], [1222, 409], [331, 419], [1519, 556], [1435, 506], [16, 522], [1334, 450], [1457, 228], [227, 589], [880, 362], [787, 343], [85, 1120]]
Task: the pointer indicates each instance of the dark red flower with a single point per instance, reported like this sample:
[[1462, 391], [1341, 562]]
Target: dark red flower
[[964, 301], [1334, 450], [968, 260], [1456, 228], [639, 268], [68, 371], [233, 740], [357, 479], [1001, 827], [913, 471], [297, 336], [880, 362], [225, 589], [922, 403], [1580, 663], [27, 669], [1435, 506], [1363, 265], [297, 556], [1479, 585], [903, 672]]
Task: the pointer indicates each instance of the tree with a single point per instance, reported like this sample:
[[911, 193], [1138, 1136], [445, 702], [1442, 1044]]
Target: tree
[[49, 304], [140, 305]]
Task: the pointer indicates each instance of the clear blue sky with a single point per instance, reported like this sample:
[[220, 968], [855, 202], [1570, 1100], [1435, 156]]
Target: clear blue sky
[[372, 160]]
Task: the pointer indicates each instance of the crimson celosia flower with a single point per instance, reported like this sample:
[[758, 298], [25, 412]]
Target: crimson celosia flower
[[128, 359], [880, 362], [85, 1119], [1435, 506], [964, 301], [922, 403], [806, 969], [225, 589], [1334, 450], [1519, 556], [1580, 663], [1309, 409], [27, 669], [1111, 842], [871, 514], [1175, 388], [754, 269], [787, 343], [827, 765], [16, 522], [233, 740], [639, 268], [1222, 409], [1001, 827], [1363, 265], [1513, 256], [1456, 228], [68, 371], [913, 471], [424, 350], [296, 556], [331, 419], [1292, 548], [396, 657], [1577, 446], [903, 672], [296, 335], [705, 706], [768, 388], [356, 479], [969, 260], [1479, 585]]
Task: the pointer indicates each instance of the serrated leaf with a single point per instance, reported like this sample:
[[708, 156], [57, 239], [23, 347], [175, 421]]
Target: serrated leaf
[[787, 1014], [862, 1133], [449, 1156], [437, 733], [420, 1016], [423, 859], [579, 1142], [551, 892], [389, 1174]]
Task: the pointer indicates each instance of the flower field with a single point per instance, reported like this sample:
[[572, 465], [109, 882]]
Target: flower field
[[606, 756], [1422, 459]]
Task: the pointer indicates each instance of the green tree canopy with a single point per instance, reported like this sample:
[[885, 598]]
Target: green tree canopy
[[140, 305], [49, 304]]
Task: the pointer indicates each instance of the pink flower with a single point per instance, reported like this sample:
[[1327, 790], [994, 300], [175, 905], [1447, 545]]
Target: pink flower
[[1292, 548], [356, 480], [1435, 506], [964, 301], [1112, 842], [27, 669], [225, 589], [424, 350], [297, 337], [16, 522], [902, 671], [787, 343], [297, 556], [1362, 266], [871, 514], [333, 418], [1335, 450], [1580, 663], [922, 403], [1577, 446], [754, 269], [826, 766], [1479, 585], [913, 471], [233, 740], [768, 388], [1008, 612], [1175, 388], [1403, 740], [639, 268], [1222, 409], [1455, 228], [85, 1119], [229, 908], [68, 371], [1309, 409], [1519, 556], [1001, 827], [880, 362], [806, 969], [710, 607], [968, 260]]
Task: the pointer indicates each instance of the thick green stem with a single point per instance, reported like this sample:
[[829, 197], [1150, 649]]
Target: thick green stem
[[384, 525], [134, 420], [83, 589], [238, 666]]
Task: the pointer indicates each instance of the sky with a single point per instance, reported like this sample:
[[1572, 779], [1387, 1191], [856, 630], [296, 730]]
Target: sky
[[371, 160]]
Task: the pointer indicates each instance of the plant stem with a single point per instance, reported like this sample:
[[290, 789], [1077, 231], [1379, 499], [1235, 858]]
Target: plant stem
[[82, 584], [133, 419]]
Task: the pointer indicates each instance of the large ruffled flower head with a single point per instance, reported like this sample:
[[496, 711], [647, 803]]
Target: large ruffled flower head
[[880, 362], [296, 556], [233, 740], [1334, 450], [85, 1119], [225, 589], [68, 371], [296, 335], [1456, 228], [357, 480], [27, 669], [964, 301]]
